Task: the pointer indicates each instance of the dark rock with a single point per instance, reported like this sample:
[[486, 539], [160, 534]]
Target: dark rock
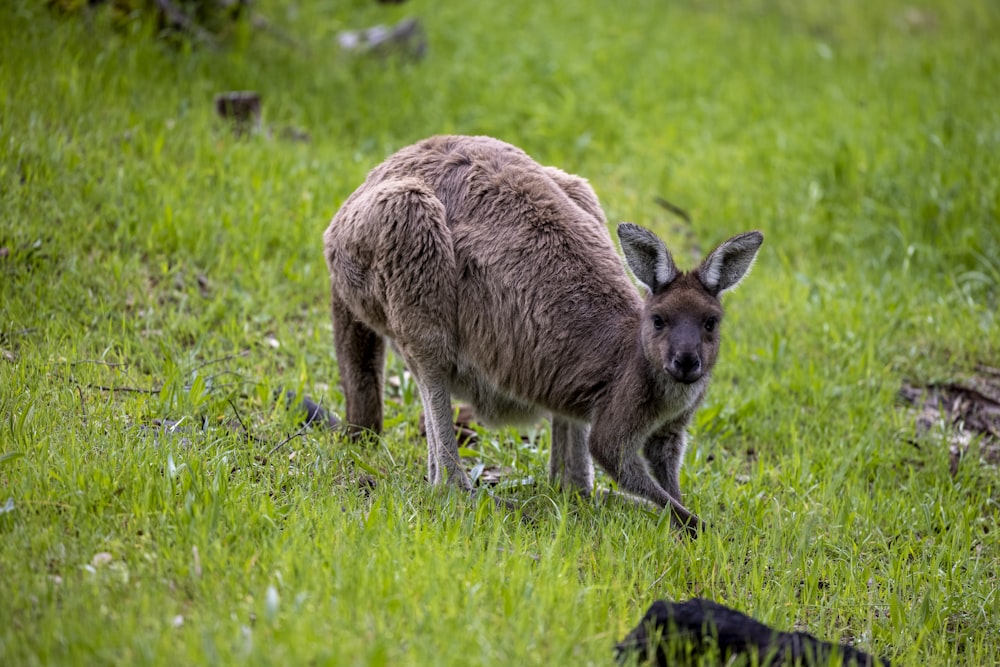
[[241, 108], [314, 414], [704, 624]]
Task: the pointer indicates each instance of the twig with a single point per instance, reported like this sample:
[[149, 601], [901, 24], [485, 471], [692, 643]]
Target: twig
[[99, 362], [228, 357], [49, 503], [212, 378], [284, 442], [83, 405], [658, 580], [101, 387], [673, 208], [121, 367], [127, 390], [238, 417], [261, 23]]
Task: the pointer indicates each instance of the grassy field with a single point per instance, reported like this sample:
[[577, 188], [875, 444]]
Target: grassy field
[[155, 269]]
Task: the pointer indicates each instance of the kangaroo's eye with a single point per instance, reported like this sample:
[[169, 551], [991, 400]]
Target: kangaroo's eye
[[657, 322], [711, 323]]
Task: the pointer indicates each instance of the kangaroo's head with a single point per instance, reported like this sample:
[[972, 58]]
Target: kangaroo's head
[[682, 313]]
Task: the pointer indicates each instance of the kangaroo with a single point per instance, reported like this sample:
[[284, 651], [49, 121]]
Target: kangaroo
[[497, 282]]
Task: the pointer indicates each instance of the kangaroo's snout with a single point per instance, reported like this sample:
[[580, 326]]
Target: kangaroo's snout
[[686, 367]]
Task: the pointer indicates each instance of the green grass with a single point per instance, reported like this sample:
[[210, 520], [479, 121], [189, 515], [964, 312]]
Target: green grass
[[147, 248]]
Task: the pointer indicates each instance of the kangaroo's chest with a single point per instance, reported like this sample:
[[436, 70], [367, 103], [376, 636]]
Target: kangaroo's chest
[[677, 403]]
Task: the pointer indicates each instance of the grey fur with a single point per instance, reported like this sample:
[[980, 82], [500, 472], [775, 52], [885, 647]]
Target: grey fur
[[496, 280]]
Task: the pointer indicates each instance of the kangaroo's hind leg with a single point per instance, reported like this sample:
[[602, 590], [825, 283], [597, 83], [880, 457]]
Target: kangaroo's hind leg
[[361, 360], [417, 263], [570, 465]]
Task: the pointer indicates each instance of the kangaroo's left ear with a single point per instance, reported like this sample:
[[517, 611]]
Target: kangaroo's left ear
[[726, 266]]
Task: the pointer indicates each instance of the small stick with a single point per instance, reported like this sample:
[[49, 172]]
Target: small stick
[[130, 390], [238, 417], [284, 442], [101, 387], [673, 208], [99, 362], [83, 405], [228, 357]]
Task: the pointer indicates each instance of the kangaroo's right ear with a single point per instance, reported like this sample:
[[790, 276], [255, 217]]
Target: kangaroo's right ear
[[646, 256]]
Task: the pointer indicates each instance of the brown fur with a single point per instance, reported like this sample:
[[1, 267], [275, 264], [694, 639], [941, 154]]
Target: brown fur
[[495, 279]]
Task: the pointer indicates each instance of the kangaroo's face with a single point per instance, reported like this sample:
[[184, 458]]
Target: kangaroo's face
[[680, 329], [682, 313]]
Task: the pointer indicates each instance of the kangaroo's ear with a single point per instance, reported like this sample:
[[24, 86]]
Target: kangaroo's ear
[[646, 256], [725, 266]]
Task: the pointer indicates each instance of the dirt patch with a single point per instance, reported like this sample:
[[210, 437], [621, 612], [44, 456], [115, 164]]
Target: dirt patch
[[969, 409]]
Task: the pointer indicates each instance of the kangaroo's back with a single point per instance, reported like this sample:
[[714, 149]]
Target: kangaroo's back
[[536, 277]]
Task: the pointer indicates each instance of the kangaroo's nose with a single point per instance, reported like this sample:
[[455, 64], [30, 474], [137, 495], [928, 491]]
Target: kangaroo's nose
[[685, 367]]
